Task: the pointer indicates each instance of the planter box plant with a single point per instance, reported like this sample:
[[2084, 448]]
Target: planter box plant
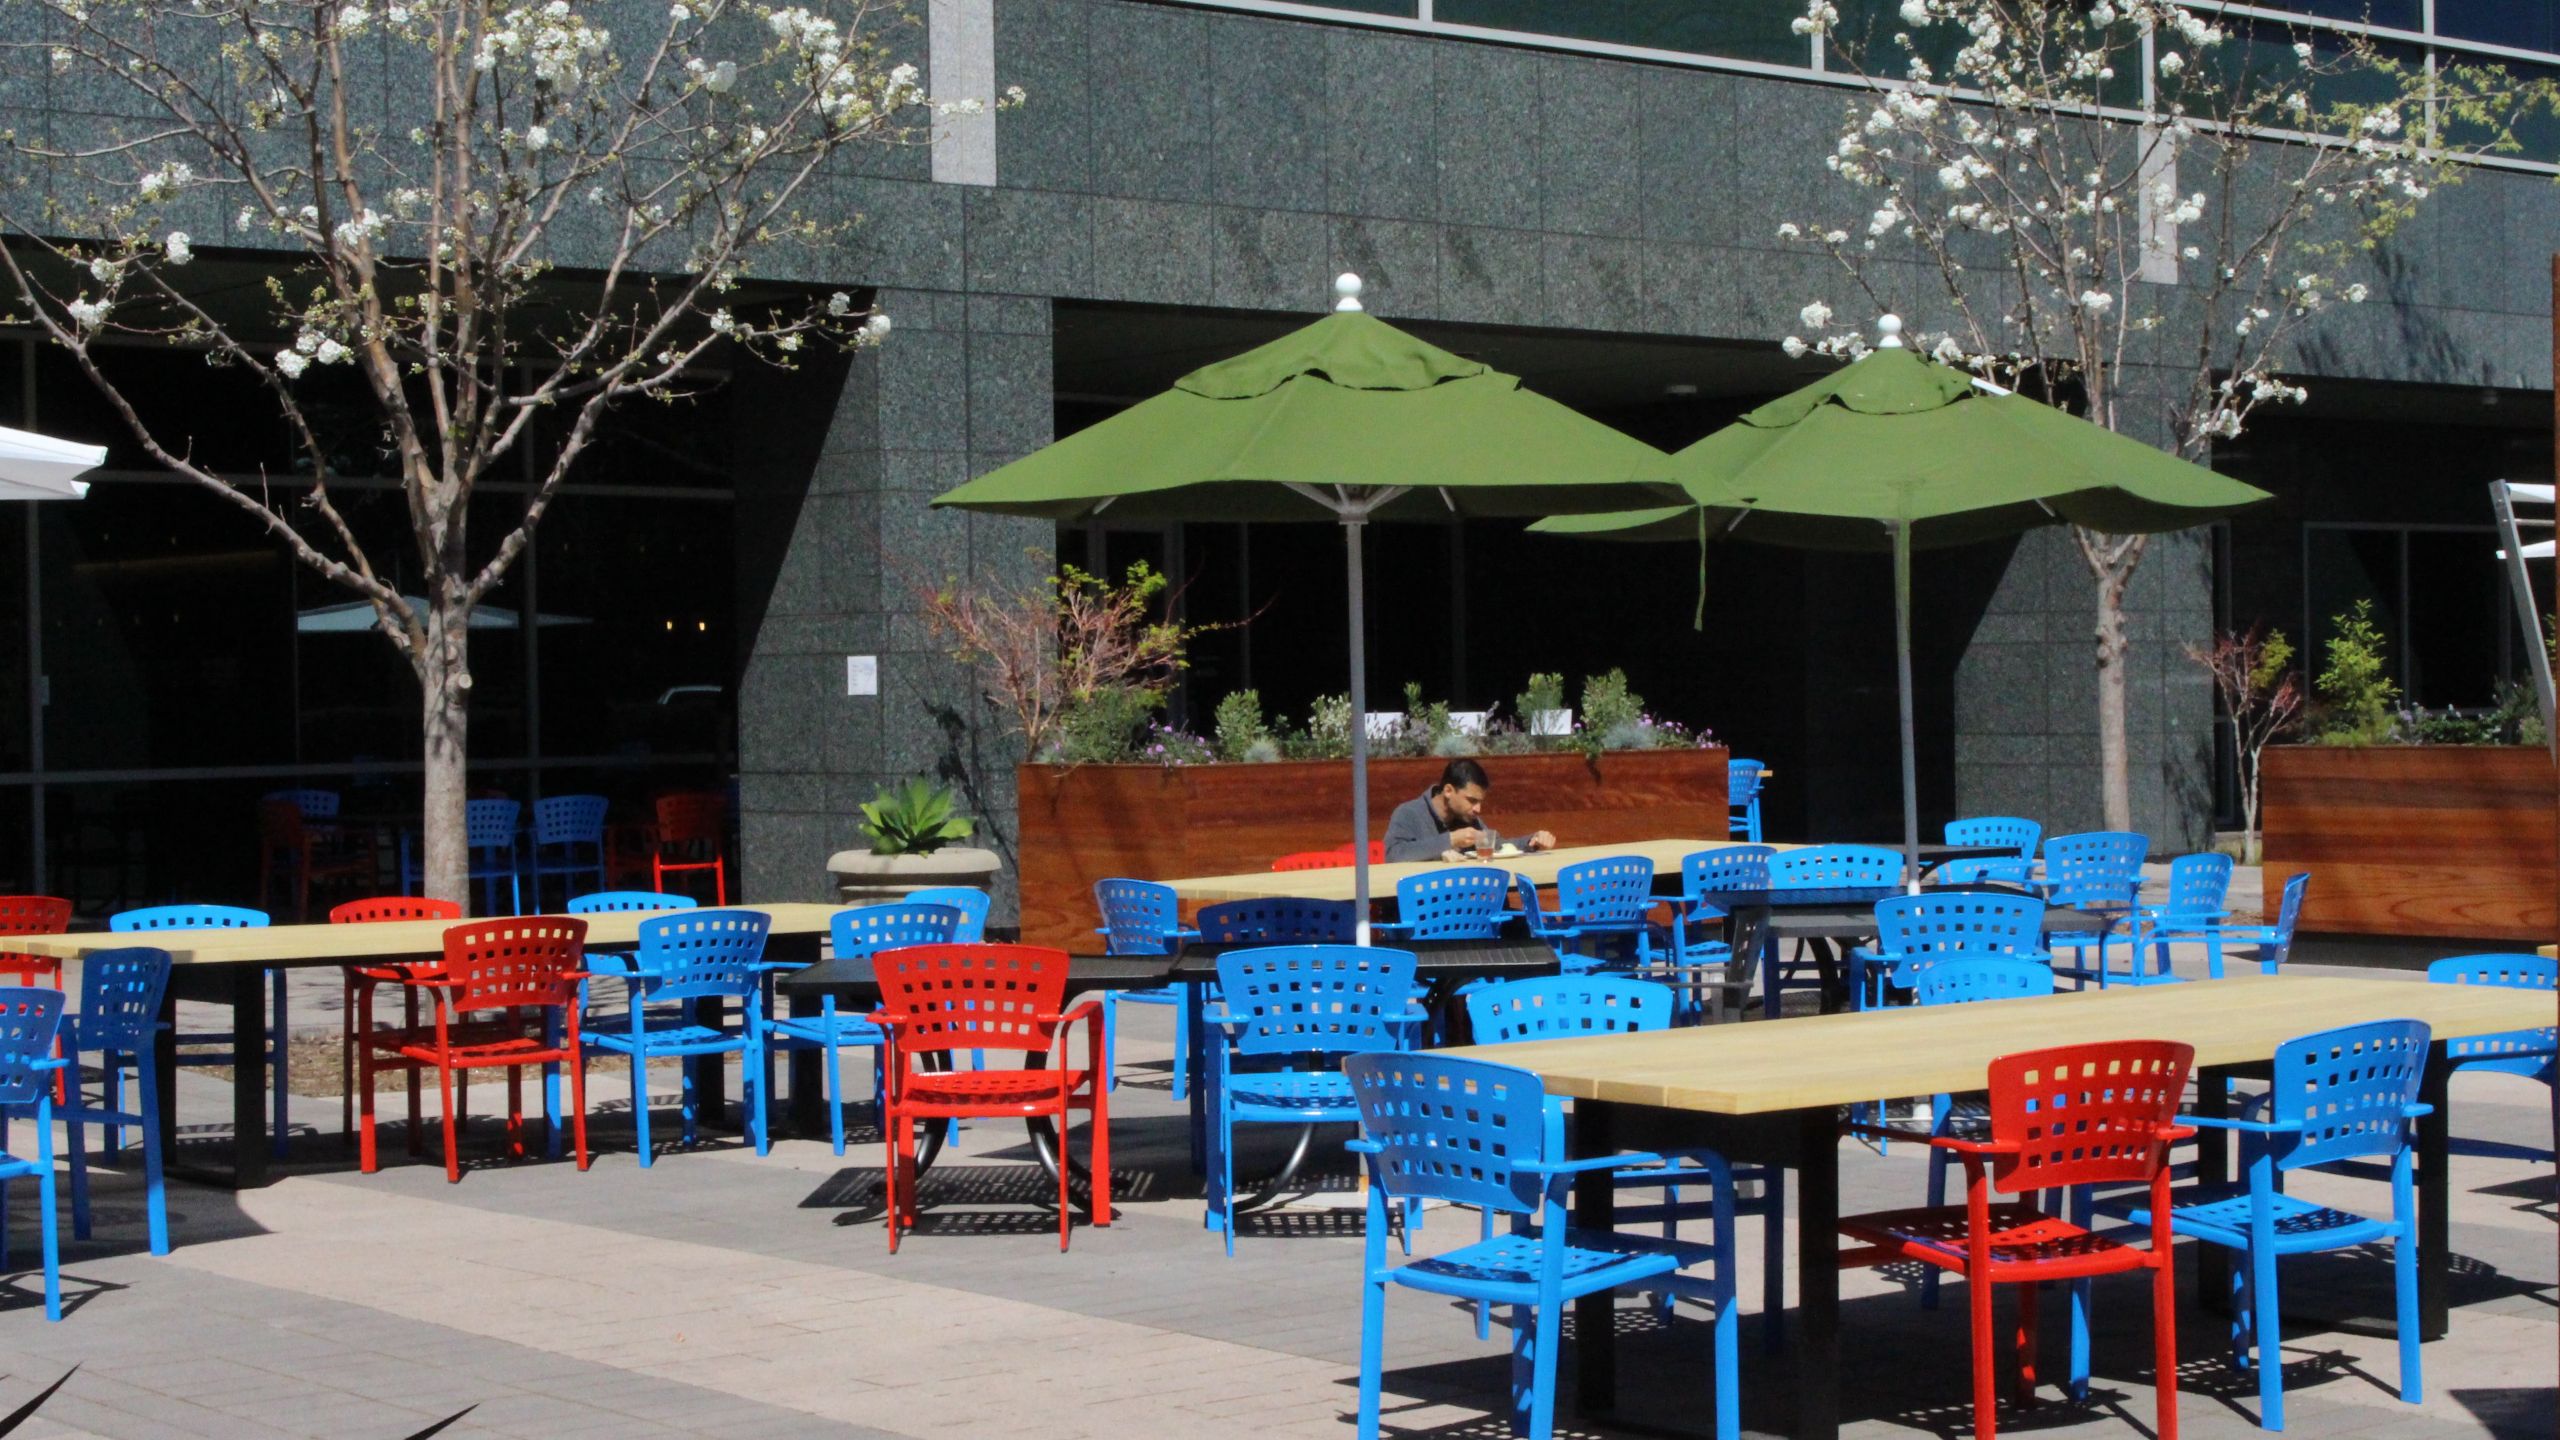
[[1082, 823], [2425, 840]]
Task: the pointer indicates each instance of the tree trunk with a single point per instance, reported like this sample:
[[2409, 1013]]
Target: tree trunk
[[2249, 813], [444, 676], [2114, 768]]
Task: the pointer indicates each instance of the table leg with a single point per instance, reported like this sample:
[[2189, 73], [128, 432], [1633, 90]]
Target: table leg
[[1196, 1016], [1595, 1207], [248, 1076], [808, 1087], [2435, 1194], [2213, 1167], [1816, 1340]]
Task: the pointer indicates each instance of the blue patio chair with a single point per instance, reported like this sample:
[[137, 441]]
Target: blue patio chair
[[1141, 917], [1455, 902], [1608, 898], [1964, 978], [2346, 1094], [2098, 873], [30, 1023], [1555, 1007], [1697, 946], [118, 1021], [2529, 1052], [1917, 932], [1742, 799], [690, 957], [222, 917], [489, 828], [619, 902], [2019, 836], [1289, 1015], [1818, 867], [568, 841], [1285, 920], [2198, 904], [973, 904], [2272, 943], [1434, 1127], [858, 934]]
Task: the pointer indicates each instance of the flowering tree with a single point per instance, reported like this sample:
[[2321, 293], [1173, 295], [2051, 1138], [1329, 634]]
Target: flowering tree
[[2263, 697], [420, 176], [2093, 188]]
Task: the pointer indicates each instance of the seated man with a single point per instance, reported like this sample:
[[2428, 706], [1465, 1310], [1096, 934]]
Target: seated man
[[1449, 818]]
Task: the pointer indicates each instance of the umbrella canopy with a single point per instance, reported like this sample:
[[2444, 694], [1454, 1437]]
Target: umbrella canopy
[[1348, 419], [39, 467], [1893, 452]]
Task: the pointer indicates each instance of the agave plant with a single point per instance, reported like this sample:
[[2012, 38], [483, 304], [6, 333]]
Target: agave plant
[[914, 817]]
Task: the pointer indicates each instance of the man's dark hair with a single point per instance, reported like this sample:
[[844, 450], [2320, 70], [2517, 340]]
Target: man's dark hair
[[1461, 773]]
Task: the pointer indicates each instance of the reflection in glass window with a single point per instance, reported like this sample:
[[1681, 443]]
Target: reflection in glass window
[[2392, 14], [2524, 24], [637, 640], [1739, 29]]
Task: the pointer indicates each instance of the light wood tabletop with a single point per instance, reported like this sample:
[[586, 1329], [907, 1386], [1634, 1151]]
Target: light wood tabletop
[[356, 944], [1335, 882], [1819, 1061]]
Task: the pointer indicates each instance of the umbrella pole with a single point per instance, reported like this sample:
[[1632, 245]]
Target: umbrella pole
[[1353, 521], [1910, 744]]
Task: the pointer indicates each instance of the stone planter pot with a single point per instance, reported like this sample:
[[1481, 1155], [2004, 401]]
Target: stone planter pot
[[862, 878]]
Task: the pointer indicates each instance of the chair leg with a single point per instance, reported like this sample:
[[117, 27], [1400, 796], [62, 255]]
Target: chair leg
[[640, 1108], [2268, 1322], [578, 1099], [1524, 1369], [2026, 1343], [900, 1178], [2164, 1344], [1542, 1369], [2404, 1277], [452, 1134], [1373, 1360], [1098, 1155], [146, 1079], [835, 1089], [1484, 1308], [347, 1058], [78, 1135], [1986, 1352], [368, 1159], [50, 1229]]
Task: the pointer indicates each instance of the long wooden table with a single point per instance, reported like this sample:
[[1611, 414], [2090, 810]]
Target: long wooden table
[[1771, 1093], [226, 967], [1335, 882]]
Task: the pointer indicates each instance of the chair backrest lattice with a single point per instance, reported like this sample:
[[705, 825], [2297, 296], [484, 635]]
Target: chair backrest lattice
[[2096, 867], [1463, 902], [974, 905], [1611, 890], [281, 824], [2288, 915], [388, 909], [694, 820], [2348, 1089], [1455, 1130], [530, 960], [1822, 867], [1948, 923], [865, 931], [1968, 978], [2199, 884], [972, 997], [702, 954], [1742, 779], [569, 820], [491, 824], [2512, 1052], [623, 902], [34, 914], [30, 1021], [187, 917], [1553, 1007], [1138, 916], [2010, 832], [120, 994], [312, 804], [1725, 868], [2085, 1114], [1281, 920], [1317, 999], [1311, 860]]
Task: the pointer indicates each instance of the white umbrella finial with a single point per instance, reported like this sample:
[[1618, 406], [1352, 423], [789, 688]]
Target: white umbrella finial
[[1346, 285], [1888, 332]]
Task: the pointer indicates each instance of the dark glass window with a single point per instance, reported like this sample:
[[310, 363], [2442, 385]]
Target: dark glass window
[[17, 868], [2394, 14], [2458, 613], [1738, 29], [636, 636], [2340, 567], [2524, 24]]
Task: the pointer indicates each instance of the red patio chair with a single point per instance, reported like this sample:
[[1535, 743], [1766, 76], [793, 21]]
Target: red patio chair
[[936, 999], [506, 996], [360, 982], [692, 828], [1310, 860], [2101, 1114], [286, 839], [33, 915]]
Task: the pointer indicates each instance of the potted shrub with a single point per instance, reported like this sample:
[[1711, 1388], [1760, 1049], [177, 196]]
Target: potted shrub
[[912, 827]]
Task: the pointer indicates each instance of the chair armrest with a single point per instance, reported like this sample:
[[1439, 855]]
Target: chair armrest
[[2172, 1134], [1382, 927], [1625, 1160], [2416, 1108], [1359, 1146], [1087, 1008], [608, 966], [51, 1062]]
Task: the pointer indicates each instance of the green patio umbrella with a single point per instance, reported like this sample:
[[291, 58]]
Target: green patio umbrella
[[1348, 419], [1894, 451]]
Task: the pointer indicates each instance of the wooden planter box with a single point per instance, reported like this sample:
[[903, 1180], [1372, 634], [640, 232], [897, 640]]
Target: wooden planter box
[[1085, 823], [2451, 840]]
